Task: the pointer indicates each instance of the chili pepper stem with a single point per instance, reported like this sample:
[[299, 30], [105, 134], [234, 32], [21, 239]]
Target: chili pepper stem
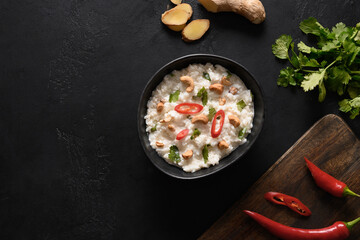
[[347, 191], [349, 225]]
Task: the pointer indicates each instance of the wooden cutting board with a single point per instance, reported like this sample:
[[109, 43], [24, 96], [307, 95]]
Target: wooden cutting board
[[332, 146]]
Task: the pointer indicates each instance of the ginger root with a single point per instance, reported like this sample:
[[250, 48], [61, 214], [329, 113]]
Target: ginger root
[[250, 9], [176, 2], [195, 30], [176, 17], [186, 7]]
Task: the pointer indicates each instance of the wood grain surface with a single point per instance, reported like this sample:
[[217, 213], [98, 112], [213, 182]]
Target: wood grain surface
[[332, 146]]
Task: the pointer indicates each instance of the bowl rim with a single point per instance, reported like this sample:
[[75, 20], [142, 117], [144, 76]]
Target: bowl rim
[[188, 58]]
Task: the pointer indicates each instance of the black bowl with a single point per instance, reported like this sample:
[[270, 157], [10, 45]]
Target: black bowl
[[179, 64]]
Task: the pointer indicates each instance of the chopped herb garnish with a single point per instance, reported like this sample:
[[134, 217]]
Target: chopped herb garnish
[[174, 96], [204, 95], [206, 76], [153, 129], [195, 134], [229, 74], [242, 133], [212, 113], [241, 105], [171, 74], [205, 153], [204, 98], [174, 154]]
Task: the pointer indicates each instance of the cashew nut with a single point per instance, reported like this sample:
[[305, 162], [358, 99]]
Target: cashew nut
[[217, 87], [188, 80], [200, 118], [223, 145], [171, 128], [188, 154], [222, 101], [160, 106], [234, 120], [159, 144], [166, 120], [233, 90], [225, 81]]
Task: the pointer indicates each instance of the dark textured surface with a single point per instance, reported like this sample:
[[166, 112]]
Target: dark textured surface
[[71, 164]]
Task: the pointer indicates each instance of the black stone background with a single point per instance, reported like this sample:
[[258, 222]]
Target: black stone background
[[72, 71]]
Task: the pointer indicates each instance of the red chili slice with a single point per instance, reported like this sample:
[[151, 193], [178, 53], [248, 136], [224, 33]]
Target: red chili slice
[[215, 133], [291, 202], [182, 134], [188, 108]]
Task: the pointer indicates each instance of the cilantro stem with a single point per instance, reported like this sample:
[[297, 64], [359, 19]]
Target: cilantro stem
[[355, 72], [311, 71], [331, 64], [354, 35]]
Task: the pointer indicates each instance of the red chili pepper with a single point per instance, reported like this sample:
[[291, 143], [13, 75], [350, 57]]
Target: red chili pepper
[[188, 108], [291, 202], [338, 231], [329, 183], [182, 134], [215, 133]]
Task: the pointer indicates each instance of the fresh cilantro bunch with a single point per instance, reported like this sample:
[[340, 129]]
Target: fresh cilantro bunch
[[334, 65]]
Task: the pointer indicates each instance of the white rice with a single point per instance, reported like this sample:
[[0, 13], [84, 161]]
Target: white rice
[[229, 133]]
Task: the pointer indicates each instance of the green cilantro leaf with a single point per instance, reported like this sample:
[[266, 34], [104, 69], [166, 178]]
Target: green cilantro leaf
[[174, 96], [355, 102], [195, 134], [330, 46], [345, 105], [312, 26], [305, 62], [357, 36], [174, 155], [339, 29], [205, 153], [212, 113], [355, 53], [350, 106], [153, 129], [353, 91], [286, 77], [322, 91], [281, 47], [341, 75], [206, 76], [294, 60], [336, 77], [241, 105], [313, 79], [204, 98], [242, 133], [200, 92], [229, 74], [203, 95], [310, 66], [354, 112], [304, 48]]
